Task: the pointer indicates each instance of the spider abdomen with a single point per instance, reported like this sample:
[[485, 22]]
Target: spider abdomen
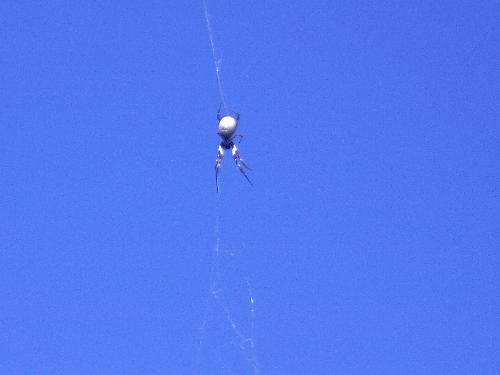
[[227, 126]]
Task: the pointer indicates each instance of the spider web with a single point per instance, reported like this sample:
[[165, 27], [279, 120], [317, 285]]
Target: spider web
[[215, 55], [226, 336]]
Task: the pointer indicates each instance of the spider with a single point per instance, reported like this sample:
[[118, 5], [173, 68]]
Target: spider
[[227, 128]]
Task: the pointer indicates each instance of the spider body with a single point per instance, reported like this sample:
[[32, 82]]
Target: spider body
[[227, 127], [227, 132]]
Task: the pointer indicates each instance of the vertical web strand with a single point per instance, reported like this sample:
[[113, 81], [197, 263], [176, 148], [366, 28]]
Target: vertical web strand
[[245, 341]]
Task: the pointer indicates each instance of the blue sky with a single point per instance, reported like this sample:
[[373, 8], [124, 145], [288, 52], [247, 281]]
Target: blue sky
[[369, 241]]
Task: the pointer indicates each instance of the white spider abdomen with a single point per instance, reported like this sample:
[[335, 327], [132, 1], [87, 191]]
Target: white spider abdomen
[[227, 126]]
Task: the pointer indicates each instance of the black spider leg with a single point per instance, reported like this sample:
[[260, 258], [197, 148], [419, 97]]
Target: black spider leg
[[218, 161], [239, 136], [240, 163], [219, 114]]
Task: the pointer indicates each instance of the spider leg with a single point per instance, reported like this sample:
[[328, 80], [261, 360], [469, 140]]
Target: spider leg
[[218, 161], [238, 136], [240, 163], [219, 116]]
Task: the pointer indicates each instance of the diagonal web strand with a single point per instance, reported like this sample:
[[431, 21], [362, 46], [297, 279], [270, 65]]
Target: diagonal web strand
[[216, 57]]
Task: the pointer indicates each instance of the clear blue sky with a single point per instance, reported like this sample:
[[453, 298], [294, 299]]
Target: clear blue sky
[[370, 239]]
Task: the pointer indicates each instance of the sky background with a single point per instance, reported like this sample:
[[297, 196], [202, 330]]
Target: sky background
[[369, 241]]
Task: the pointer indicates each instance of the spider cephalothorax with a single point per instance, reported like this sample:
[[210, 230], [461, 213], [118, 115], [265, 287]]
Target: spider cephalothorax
[[227, 131]]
